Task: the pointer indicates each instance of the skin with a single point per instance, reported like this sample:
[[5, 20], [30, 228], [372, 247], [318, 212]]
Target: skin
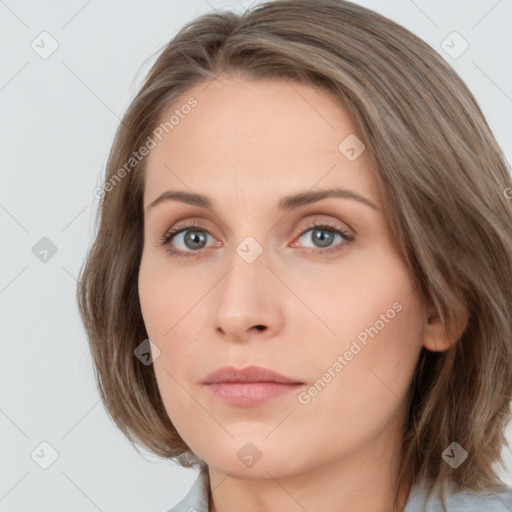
[[245, 145]]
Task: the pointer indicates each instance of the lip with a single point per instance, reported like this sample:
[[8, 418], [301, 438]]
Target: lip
[[249, 386], [248, 374]]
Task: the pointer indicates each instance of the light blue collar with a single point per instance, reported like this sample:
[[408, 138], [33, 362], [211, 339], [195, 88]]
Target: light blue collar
[[467, 500]]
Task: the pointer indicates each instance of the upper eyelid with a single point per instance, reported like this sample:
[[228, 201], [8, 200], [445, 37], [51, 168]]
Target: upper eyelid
[[311, 218]]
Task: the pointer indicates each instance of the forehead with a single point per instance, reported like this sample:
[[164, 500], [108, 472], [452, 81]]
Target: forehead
[[260, 135]]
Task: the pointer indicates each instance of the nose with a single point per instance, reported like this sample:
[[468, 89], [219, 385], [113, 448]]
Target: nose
[[247, 300]]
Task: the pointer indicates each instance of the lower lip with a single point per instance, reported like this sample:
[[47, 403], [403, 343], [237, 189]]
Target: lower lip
[[250, 394]]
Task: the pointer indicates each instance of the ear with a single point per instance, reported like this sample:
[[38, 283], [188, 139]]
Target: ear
[[436, 336]]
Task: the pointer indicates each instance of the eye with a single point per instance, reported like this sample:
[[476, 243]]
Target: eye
[[323, 236], [190, 239]]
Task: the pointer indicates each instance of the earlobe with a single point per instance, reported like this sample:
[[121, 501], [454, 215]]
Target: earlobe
[[436, 335]]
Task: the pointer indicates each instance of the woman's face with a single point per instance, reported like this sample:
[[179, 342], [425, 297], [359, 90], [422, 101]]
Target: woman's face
[[254, 282]]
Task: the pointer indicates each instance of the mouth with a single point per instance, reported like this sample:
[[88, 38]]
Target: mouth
[[250, 386], [250, 394]]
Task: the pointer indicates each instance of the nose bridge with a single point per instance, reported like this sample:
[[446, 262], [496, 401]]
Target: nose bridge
[[248, 275], [247, 296]]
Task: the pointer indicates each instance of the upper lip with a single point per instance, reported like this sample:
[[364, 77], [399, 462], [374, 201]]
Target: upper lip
[[248, 374]]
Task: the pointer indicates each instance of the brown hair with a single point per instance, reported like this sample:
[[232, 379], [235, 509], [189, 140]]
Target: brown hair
[[442, 177]]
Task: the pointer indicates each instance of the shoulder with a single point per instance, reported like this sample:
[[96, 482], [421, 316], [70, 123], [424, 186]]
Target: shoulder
[[466, 500], [196, 499]]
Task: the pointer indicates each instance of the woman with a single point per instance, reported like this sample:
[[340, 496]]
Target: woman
[[301, 283]]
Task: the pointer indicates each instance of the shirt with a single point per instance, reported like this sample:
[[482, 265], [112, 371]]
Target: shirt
[[196, 499]]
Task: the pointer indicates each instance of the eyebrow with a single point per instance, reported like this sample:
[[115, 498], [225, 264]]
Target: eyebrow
[[286, 203]]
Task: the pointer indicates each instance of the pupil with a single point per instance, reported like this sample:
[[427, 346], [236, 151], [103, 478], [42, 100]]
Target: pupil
[[194, 238], [324, 241]]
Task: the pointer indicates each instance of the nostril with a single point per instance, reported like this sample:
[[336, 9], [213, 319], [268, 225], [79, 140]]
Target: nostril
[[260, 327]]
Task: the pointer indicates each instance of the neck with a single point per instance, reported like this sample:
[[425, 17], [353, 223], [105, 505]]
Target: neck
[[358, 482]]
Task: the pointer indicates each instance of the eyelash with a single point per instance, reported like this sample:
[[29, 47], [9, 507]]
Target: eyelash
[[168, 237]]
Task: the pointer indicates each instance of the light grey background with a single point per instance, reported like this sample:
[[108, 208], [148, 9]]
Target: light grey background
[[59, 115]]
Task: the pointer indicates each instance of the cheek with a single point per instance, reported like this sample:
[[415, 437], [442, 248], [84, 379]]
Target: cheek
[[370, 297], [360, 396], [380, 332], [161, 313], [164, 299], [168, 310]]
